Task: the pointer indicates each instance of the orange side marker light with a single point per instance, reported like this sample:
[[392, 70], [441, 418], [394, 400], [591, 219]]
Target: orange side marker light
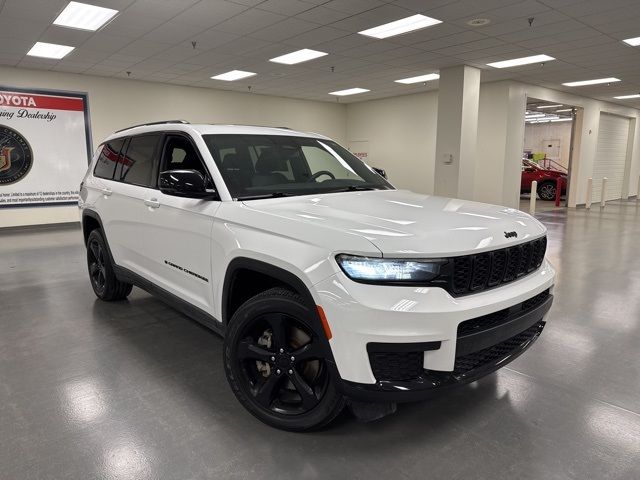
[[325, 324]]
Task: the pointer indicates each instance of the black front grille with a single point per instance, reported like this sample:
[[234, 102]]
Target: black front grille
[[536, 301], [474, 273], [483, 323], [404, 366], [486, 322], [496, 352], [401, 366]]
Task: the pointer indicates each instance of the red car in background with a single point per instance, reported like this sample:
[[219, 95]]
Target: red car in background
[[546, 178]]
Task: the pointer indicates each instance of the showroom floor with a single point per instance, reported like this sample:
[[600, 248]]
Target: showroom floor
[[136, 390]]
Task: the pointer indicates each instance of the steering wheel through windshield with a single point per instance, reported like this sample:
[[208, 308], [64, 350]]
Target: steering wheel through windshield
[[313, 177]]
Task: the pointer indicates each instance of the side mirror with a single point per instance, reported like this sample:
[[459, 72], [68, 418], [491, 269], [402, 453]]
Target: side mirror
[[185, 183], [380, 172]]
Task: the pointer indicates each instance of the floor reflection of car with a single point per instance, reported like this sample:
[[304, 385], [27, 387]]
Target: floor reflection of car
[[546, 178]]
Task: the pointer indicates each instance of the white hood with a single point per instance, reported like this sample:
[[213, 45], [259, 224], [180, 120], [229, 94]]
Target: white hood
[[405, 224]]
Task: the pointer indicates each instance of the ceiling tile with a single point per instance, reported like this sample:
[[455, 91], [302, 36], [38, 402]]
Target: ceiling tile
[[249, 21], [285, 7], [282, 30], [207, 13]]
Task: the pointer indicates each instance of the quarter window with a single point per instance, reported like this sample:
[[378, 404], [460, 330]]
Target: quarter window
[[108, 159]]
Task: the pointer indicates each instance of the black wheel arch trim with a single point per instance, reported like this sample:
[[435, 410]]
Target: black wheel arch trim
[[95, 216], [264, 268], [295, 283]]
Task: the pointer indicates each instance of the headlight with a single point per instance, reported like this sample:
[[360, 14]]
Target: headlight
[[388, 270]]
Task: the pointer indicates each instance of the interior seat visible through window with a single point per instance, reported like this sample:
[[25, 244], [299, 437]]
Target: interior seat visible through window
[[180, 155], [268, 166], [239, 168]]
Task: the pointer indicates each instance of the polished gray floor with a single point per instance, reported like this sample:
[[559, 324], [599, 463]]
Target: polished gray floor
[[135, 390]]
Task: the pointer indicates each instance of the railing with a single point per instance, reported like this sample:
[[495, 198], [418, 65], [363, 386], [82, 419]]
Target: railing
[[550, 164]]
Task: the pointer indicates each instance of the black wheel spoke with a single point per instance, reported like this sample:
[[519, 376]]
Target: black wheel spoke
[[266, 389], [308, 352], [308, 396], [249, 350], [277, 370], [93, 269], [95, 251], [279, 337]]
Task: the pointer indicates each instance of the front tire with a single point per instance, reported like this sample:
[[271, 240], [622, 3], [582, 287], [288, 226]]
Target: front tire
[[276, 363], [103, 279]]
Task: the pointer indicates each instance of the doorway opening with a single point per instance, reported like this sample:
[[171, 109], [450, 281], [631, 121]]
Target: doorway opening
[[547, 150]]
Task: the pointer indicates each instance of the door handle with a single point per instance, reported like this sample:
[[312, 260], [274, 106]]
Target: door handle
[[106, 191], [152, 202]]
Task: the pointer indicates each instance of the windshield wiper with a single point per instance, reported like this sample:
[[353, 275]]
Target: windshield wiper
[[352, 188], [265, 195]]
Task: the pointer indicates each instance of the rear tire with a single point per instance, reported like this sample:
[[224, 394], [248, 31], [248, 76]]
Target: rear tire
[[275, 362], [547, 191], [103, 279]]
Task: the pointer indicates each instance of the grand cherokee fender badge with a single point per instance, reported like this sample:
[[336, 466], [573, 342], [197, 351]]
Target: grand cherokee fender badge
[[510, 234], [16, 156]]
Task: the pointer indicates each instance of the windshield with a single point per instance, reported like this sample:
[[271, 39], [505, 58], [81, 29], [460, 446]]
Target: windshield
[[259, 166]]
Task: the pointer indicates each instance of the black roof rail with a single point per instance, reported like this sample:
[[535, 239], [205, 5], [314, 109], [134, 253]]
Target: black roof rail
[[161, 122]]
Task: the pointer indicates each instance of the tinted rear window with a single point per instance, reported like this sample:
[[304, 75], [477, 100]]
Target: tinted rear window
[[137, 165], [108, 159]]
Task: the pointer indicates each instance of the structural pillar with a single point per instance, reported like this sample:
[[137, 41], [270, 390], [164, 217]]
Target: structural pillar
[[457, 134]]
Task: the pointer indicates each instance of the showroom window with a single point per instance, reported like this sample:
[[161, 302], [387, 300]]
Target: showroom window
[[137, 165], [108, 159]]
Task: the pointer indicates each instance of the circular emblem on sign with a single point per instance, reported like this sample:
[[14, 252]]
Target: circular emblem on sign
[[16, 156]]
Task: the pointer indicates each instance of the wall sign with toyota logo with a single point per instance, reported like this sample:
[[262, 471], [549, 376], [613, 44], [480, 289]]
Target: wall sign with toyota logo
[[45, 146], [16, 157]]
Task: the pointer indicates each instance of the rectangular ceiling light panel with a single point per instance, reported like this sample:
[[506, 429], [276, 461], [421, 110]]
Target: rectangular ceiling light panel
[[349, 91], [49, 50], [625, 97], [595, 81], [399, 27], [418, 79], [233, 75], [299, 56], [550, 106], [516, 62], [84, 16]]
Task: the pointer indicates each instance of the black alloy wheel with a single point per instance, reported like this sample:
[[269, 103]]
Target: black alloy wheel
[[276, 363], [97, 272], [280, 373], [103, 279]]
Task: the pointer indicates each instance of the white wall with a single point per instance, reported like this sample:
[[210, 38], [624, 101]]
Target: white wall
[[400, 133], [587, 136], [119, 103], [536, 134]]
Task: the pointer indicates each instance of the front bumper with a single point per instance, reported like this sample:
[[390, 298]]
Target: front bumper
[[424, 323]]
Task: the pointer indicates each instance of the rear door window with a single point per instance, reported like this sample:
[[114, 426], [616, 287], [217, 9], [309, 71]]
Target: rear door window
[[138, 164]]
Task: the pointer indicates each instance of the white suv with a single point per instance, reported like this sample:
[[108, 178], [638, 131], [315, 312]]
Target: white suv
[[329, 286]]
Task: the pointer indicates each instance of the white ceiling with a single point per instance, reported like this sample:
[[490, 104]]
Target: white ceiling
[[152, 40]]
